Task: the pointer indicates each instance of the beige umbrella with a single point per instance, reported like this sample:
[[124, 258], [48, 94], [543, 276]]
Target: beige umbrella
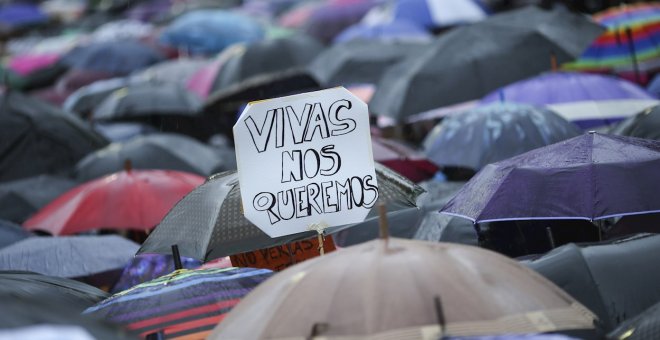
[[404, 289]]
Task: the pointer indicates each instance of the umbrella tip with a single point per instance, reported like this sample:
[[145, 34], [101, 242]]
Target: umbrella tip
[[382, 222], [128, 165]]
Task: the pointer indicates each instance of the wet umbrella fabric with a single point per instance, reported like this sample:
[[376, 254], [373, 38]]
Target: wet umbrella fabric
[[147, 267], [616, 279], [265, 57], [185, 303], [218, 227], [589, 177], [473, 64], [133, 199], [402, 158], [645, 326], [589, 100], [70, 257], [359, 62], [11, 233], [68, 83], [36, 138], [493, 133], [331, 17], [21, 198], [170, 72], [210, 31], [85, 99], [392, 31], [15, 16], [431, 14], [120, 57], [478, 291], [645, 124], [164, 151], [22, 284], [123, 131]]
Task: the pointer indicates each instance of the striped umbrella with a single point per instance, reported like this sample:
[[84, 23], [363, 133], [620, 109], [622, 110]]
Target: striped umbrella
[[185, 304], [632, 31]]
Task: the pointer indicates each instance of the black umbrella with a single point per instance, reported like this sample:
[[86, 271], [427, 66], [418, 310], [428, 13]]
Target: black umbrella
[[495, 132], [645, 124], [165, 151], [19, 313], [645, 326], [616, 280], [11, 233], [221, 109], [23, 284], [36, 138], [70, 256], [359, 62], [468, 62], [21, 198], [208, 223], [265, 57]]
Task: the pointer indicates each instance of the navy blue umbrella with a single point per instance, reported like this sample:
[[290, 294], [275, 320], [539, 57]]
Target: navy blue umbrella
[[14, 16], [116, 57], [11, 233]]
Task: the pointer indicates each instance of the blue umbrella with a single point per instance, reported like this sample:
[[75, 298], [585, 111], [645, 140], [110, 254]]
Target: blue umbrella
[[434, 13], [116, 57], [147, 267], [11, 233], [395, 30], [654, 86], [210, 31], [21, 15]]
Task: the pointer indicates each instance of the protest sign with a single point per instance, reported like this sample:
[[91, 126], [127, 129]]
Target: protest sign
[[305, 160], [281, 257]]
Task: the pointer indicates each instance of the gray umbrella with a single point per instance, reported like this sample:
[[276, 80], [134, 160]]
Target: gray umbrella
[[645, 326], [169, 72], [469, 62], [208, 223], [165, 151], [359, 62], [616, 280], [21, 198]]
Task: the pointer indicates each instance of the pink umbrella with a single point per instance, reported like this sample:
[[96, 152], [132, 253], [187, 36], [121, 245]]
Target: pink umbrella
[[201, 81], [27, 63], [299, 15]]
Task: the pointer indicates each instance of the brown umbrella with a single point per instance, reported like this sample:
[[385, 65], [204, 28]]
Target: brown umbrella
[[408, 289]]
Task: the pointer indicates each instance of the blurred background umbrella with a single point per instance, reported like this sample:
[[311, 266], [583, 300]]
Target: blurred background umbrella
[[431, 14], [115, 57], [11, 233], [17, 16], [489, 53], [23, 284], [210, 31], [185, 303], [165, 151], [589, 177], [395, 31], [493, 133], [220, 229], [614, 279], [359, 62], [36, 138], [467, 292], [94, 259], [68, 83], [123, 131], [402, 158], [19, 199], [329, 18], [176, 71], [147, 267], [645, 124], [588, 100], [130, 199]]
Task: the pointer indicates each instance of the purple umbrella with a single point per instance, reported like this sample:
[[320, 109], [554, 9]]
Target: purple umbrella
[[588, 100], [146, 267], [589, 177], [329, 19], [395, 30]]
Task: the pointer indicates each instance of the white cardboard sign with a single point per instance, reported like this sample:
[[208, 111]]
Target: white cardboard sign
[[305, 160]]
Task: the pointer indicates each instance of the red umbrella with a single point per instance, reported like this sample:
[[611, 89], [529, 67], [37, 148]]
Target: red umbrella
[[131, 199], [402, 159]]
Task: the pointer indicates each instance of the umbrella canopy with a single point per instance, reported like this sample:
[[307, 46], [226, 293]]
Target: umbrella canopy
[[615, 48], [121, 30], [265, 57], [586, 99], [132, 199], [176, 71], [85, 99], [358, 62], [480, 58], [21, 198], [11, 233], [645, 124], [68, 83], [360, 292], [654, 86], [589, 177], [397, 30], [68, 256], [28, 285], [115, 57], [147, 267], [210, 31], [201, 82], [431, 14], [402, 158], [616, 280], [36, 138], [644, 326], [25, 64], [208, 223], [15, 16], [331, 17], [165, 151], [186, 303], [492, 133], [119, 132]]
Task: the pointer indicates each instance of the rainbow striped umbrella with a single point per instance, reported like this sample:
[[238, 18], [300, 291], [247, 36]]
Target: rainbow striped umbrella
[[613, 50], [185, 304]]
